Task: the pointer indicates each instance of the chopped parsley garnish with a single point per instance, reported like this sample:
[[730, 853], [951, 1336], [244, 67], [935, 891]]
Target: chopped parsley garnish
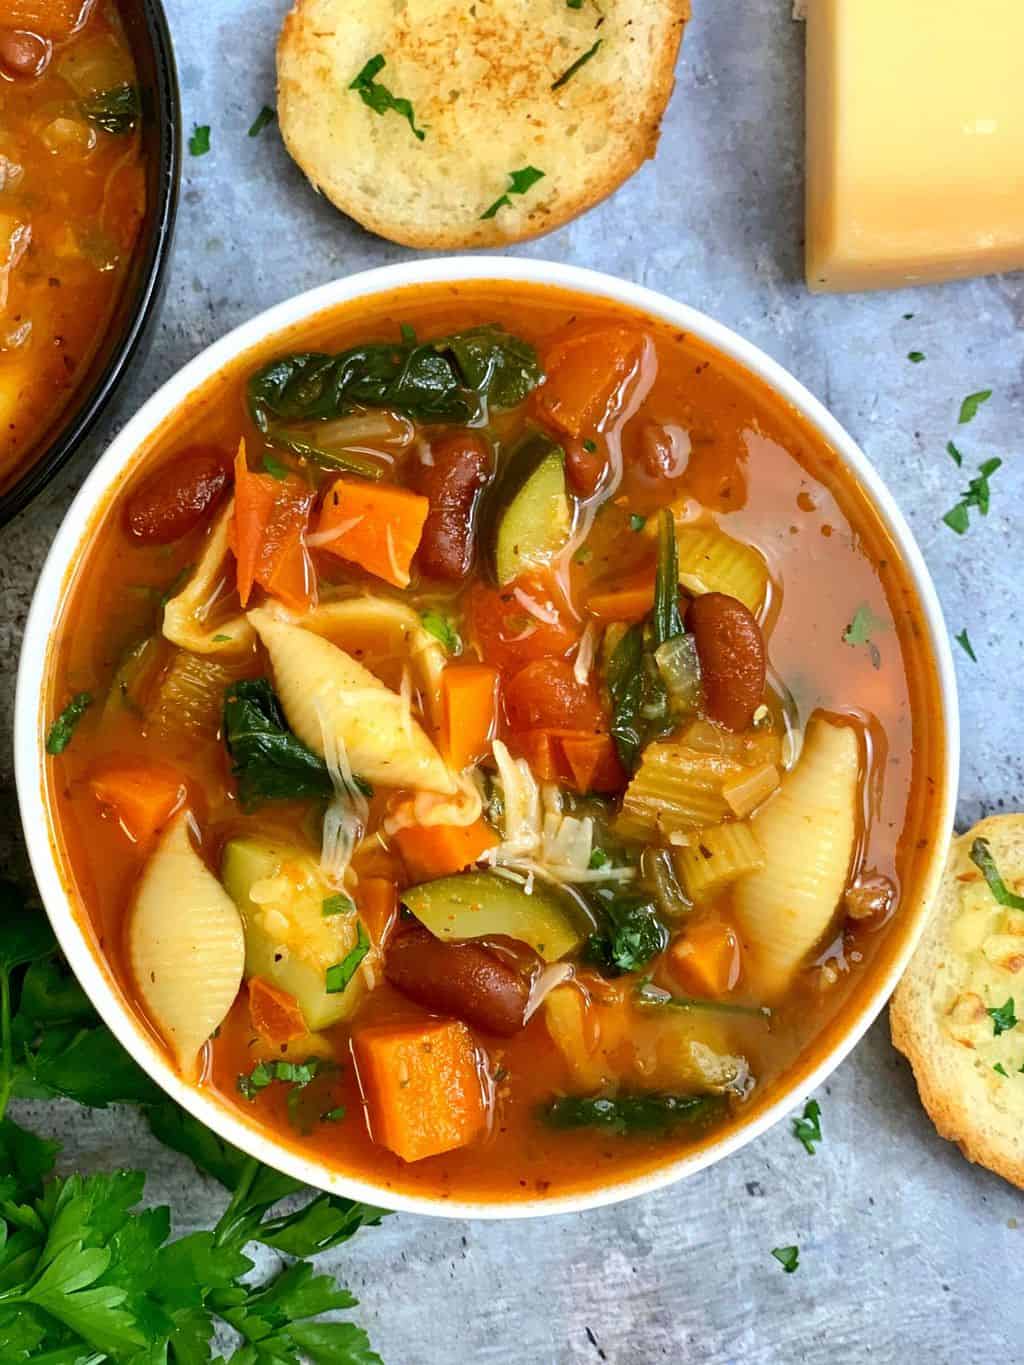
[[518, 183], [954, 454], [304, 1105], [379, 98], [570, 71], [969, 407], [583, 555], [275, 468], [915, 357], [338, 904], [222, 639], [861, 629], [907, 317], [438, 625], [265, 1073], [598, 859], [334, 1115], [1003, 1018], [265, 116], [631, 934], [787, 1257], [998, 1066], [981, 857], [637, 523], [589, 446], [337, 977], [574, 4], [63, 727], [977, 494], [964, 641], [808, 1129], [115, 110], [199, 142]]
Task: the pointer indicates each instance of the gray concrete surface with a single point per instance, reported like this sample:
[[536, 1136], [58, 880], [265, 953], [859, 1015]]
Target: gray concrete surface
[[907, 1252]]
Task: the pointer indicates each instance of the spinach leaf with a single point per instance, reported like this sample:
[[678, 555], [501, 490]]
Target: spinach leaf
[[59, 736], [640, 700], [667, 621], [115, 110], [627, 1114], [631, 934], [336, 978], [445, 380], [268, 761]]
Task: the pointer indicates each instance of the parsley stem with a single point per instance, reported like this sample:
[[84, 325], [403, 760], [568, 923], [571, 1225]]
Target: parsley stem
[[225, 1228]]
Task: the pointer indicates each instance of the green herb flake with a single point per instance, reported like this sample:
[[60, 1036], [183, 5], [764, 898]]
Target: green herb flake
[[379, 98], [337, 977], [338, 904], [583, 555], [62, 729], [275, 468], [199, 142], [589, 446], [518, 183], [222, 639], [265, 116], [861, 631], [631, 935], [440, 626], [637, 523], [977, 494], [787, 1257], [981, 857], [570, 71], [915, 357], [998, 1066], [954, 454], [574, 4], [598, 859], [1003, 1018], [115, 111], [964, 641], [625, 1115], [969, 407], [334, 1115], [808, 1128], [907, 317]]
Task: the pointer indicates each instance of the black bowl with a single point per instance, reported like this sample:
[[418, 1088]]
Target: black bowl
[[146, 26]]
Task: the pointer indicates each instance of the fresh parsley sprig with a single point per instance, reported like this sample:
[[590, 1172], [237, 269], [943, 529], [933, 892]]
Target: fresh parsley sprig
[[379, 98], [977, 495]]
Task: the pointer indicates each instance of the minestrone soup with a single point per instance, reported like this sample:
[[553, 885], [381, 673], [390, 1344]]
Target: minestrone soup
[[491, 738], [72, 198]]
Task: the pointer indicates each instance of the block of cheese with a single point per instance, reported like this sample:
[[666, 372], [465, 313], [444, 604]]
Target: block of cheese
[[915, 141]]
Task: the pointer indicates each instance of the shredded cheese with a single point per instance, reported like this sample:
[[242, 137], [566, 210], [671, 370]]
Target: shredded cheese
[[585, 652], [546, 615]]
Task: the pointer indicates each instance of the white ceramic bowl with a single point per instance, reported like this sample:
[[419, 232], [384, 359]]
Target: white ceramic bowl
[[30, 755]]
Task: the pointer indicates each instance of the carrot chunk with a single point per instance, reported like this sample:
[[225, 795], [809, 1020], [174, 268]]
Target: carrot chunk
[[377, 899], [581, 759], [541, 752], [430, 851], [143, 796], [268, 536], [275, 1014], [378, 526], [706, 959], [421, 1085], [469, 702], [629, 600], [584, 374]]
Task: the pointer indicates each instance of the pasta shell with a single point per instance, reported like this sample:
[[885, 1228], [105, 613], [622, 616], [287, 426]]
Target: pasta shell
[[321, 686], [186, 948], [185, 614], [806, 832]]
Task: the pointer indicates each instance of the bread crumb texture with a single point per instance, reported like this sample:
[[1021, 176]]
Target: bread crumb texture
[[478, 74], [969, 1066]]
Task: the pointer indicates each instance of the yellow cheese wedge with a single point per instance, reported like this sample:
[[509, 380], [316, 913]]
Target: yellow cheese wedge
[[915, 141]]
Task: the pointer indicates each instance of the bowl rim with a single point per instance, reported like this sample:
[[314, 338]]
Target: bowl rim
[[88, 404], [30, 757]]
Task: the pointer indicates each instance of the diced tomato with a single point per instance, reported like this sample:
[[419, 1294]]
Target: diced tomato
[[545, 695], [268, 536], [525, 620]]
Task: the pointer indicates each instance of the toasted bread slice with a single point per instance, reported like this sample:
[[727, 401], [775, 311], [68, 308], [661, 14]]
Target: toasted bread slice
[[969, 962], [478, 78]]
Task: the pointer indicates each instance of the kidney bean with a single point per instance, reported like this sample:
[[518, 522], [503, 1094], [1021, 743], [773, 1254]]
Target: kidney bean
[[453, 483], [731, 650], [460, 979], [585, 468], [175, 498], [24, 54]]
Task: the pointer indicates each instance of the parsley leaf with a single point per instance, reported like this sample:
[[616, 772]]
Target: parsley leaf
[[977, 494], [954, 454], [598, 859], [62, 729], [379, 98], [199, 141], [442, 628], [808, 1129], [969, 407], [115, 111], [265, 116], [915, 357], [519, 182], [1003, 1018], [861, 629], [998, 1066], [570, 71], [787, 1257], [337, 977], [981, 857], [339, 904], [964, 641], [637, 523], [631, 934]]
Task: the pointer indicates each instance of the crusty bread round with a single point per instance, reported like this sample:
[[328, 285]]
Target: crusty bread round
[[479, 77], [970, 959]]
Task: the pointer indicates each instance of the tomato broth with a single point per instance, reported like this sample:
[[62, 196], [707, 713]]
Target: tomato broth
[[731, 801]]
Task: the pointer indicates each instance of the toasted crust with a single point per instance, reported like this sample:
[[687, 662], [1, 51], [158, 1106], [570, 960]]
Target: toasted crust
[[950, 977], [479, 79]]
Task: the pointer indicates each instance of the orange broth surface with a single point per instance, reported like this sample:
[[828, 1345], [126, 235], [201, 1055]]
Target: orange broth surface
[[768, 479], [72, 177]]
